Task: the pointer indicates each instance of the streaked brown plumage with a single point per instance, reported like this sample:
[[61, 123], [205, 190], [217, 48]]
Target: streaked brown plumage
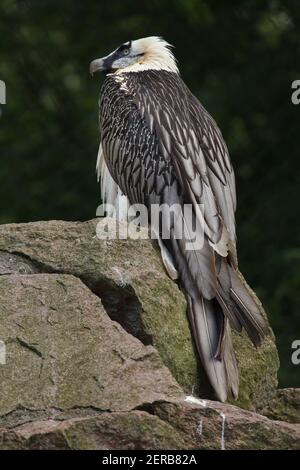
[[162, 147]]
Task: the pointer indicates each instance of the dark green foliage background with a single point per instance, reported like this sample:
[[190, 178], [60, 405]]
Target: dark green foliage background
[[239, 58]]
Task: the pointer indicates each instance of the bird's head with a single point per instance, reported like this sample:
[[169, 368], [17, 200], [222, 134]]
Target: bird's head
[[133, 56]]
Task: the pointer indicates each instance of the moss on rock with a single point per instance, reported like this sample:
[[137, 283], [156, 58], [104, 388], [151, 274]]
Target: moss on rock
[[129, 277]]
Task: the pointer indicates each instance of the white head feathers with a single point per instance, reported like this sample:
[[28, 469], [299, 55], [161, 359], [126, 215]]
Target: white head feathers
[[155, 54]]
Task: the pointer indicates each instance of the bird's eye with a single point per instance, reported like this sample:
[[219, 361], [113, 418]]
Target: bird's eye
[[126, 51]]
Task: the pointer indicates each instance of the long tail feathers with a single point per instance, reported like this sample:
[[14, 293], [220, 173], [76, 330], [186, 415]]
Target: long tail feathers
[[239, 305], [234, 306], [217, 300], [211, 339]]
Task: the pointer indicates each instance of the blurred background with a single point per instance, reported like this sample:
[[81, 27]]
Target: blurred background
[[239, 60]]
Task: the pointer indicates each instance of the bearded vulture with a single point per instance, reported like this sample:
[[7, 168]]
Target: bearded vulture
[[160, 146]]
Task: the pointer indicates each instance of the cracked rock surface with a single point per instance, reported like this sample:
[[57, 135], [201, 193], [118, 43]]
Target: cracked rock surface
[[63, 351], [99, 355]]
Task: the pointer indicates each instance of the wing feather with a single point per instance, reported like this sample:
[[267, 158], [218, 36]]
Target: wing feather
[[162, 147], [188, 135]]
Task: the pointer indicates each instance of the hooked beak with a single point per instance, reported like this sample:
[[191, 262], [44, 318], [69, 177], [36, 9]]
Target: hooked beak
[[97, 66]]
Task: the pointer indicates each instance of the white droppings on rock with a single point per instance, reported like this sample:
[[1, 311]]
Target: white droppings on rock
[[223, 418], [195, 401]]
